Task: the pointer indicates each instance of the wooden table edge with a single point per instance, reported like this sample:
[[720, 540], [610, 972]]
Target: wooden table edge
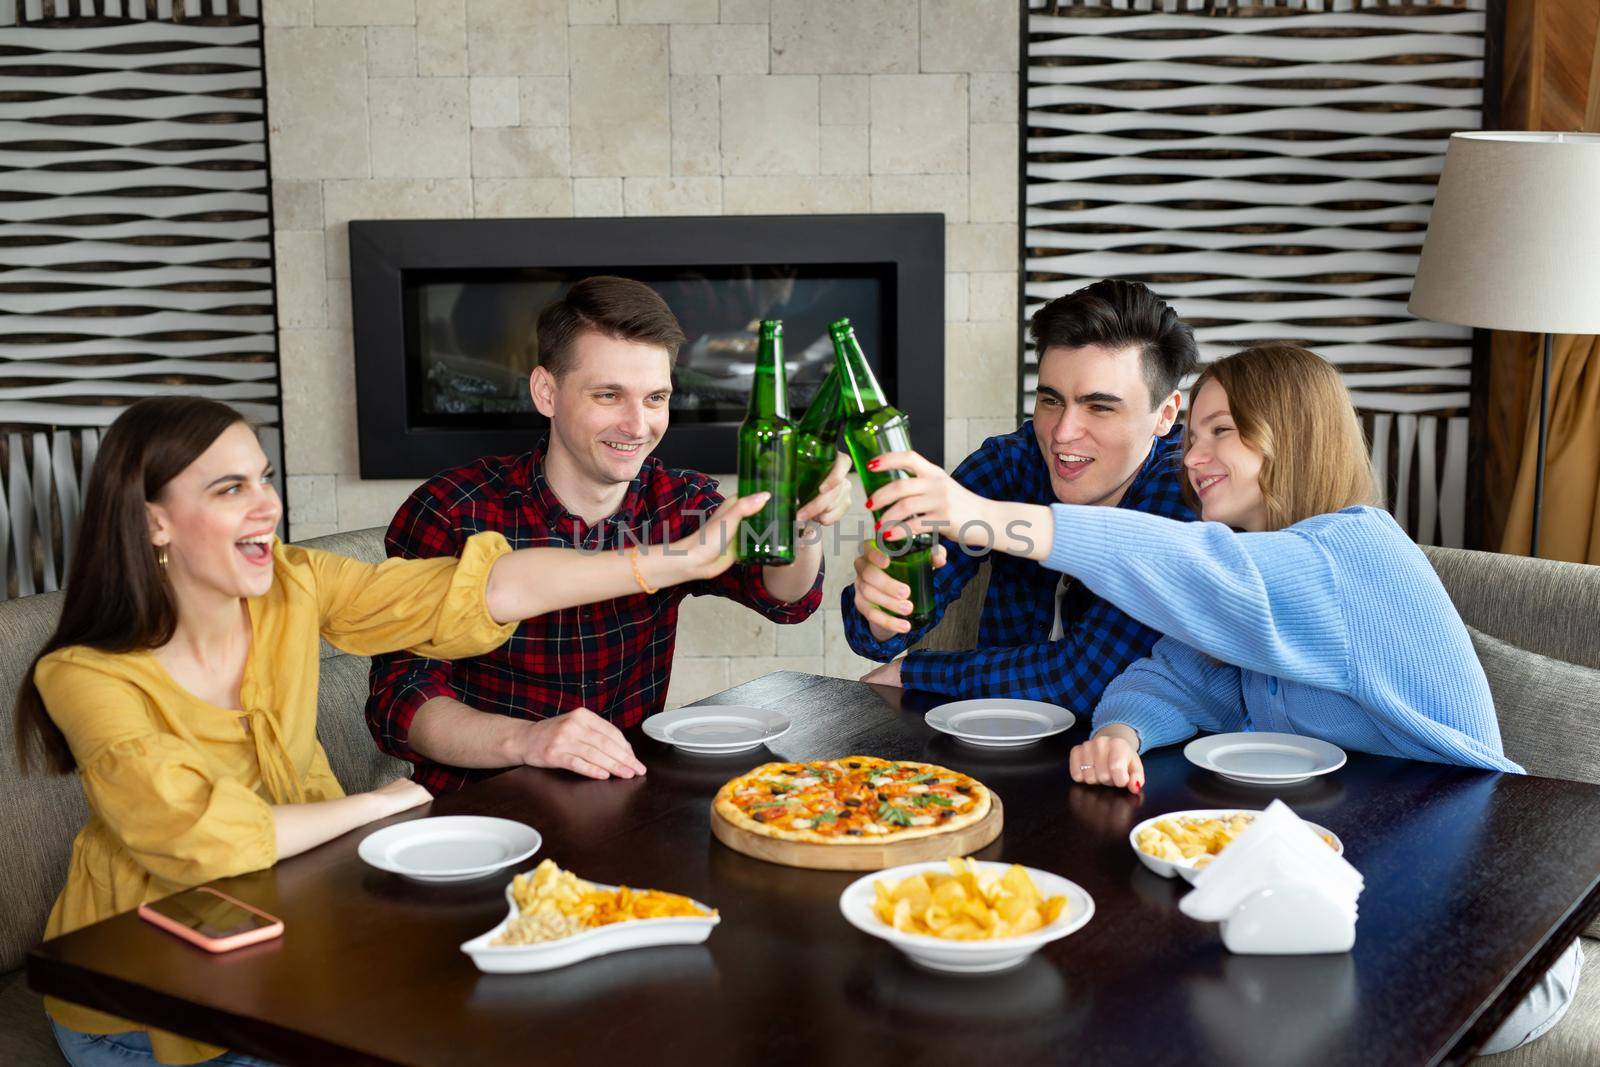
[[1518, 985], [52, 977]]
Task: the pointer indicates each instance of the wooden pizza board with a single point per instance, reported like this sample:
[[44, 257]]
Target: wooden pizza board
[[962, 842]]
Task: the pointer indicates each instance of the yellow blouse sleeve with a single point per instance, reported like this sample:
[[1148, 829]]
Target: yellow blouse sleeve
[[435, 607], [153, 790], [178, 823]]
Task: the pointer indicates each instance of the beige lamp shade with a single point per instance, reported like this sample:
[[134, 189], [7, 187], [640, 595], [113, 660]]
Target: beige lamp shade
[[1514, 239]]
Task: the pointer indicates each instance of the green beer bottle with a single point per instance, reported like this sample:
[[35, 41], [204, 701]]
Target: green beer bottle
[[817, 440], [766, 457], [871, 428]]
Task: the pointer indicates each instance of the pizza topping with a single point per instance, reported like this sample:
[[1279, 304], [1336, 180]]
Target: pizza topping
[[832, 799]]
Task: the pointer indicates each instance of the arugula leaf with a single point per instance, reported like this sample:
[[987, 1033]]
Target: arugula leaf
[[919, 778], [943, 802], [827, 816], [891, 814]]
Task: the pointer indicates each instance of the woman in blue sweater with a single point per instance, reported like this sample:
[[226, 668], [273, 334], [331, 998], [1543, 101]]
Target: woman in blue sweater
[[1296, 605]]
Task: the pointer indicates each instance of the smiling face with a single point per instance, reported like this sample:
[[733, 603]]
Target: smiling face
[[1224, 471], [608, 410], [1094, 420], [217, 519]]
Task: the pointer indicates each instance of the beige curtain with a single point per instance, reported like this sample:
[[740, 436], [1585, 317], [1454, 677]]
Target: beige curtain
[[1570, 524]]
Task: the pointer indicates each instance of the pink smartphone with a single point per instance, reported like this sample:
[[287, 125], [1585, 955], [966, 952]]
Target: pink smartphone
[[211, 919]]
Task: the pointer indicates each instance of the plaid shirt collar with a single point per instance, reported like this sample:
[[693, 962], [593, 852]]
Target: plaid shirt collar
[[1164, 458], [543, 501]]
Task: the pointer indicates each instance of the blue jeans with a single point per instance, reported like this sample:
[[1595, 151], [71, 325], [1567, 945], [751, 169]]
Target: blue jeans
[[127, 1049]]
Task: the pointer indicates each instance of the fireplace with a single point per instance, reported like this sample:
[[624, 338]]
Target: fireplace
[[444, 315]]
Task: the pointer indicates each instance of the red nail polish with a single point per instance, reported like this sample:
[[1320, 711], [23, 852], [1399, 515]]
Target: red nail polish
[[1138, 787], [869, 503], [877, 527], [872, 464]]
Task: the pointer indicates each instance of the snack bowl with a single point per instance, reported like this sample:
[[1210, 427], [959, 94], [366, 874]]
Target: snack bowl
[[586, 944], [1186, 869], [966, 957]]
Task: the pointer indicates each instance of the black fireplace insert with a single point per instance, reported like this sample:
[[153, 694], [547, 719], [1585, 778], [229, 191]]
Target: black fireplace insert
[[444, 315]]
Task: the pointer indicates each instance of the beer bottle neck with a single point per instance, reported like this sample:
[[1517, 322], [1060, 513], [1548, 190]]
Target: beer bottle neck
[[769, 395], [858, 386], [822, 418]]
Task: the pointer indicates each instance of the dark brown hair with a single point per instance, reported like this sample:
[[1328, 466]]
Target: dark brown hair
[[1292, 406], [619, 308], [1116, 314], [117, 596]]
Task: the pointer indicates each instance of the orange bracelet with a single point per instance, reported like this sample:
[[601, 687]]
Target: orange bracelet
[[633, 561]]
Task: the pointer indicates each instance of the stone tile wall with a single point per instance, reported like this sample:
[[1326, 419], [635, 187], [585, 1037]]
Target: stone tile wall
[[559, 108]]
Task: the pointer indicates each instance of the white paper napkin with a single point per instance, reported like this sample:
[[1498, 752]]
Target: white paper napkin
[[1279, 848]]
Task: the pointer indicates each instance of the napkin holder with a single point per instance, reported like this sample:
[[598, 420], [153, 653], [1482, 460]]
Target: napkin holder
[[1289, 918], [1278, 890]]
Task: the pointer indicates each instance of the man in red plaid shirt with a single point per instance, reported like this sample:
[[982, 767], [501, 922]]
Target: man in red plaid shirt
[[560, 691]]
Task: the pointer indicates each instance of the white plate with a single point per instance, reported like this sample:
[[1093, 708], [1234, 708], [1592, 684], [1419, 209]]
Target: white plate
[[1264, 758], [1000, 722], [966, 957], [1187, 868], [548, 955], [449, 848], [717, 729]]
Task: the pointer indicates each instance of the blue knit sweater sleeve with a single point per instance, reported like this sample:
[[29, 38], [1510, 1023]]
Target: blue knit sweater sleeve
[[1266, 602], [1343, 603], [1171, 693]]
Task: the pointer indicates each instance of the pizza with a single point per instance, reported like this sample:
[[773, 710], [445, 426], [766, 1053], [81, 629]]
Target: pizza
[[857, 800]]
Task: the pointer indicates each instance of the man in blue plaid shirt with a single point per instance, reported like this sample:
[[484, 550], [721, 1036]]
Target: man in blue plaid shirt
[[1103, 432]]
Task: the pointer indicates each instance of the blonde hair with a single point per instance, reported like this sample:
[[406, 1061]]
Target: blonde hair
[[1292, 406]]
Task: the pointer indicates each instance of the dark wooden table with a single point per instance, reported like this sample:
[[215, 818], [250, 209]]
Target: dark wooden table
[[1474, 883]]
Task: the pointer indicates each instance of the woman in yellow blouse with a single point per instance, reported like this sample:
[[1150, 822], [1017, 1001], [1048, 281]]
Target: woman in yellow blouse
[[181, 683]]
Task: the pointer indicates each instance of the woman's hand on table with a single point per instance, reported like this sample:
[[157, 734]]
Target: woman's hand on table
[[1110, 757], [402, 794]]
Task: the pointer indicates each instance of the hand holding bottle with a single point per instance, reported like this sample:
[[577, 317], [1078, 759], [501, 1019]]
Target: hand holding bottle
[[832, 498], [708, 551], [881, 599], [930, 501]]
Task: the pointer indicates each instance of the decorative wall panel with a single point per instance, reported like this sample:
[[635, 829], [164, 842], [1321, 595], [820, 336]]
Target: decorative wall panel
[[135, 248], [1269, 170]]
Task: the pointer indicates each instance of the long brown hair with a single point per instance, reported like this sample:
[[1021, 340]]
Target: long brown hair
[[1292, 406], [117, 596]]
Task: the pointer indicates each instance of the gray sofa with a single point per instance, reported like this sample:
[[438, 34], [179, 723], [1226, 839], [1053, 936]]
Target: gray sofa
[[1534, 622]]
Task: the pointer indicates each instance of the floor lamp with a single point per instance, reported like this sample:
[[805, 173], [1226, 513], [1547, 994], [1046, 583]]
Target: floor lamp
[[1514, 244]]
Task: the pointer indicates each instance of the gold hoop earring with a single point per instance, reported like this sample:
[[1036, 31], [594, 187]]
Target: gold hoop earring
[[161, 556]]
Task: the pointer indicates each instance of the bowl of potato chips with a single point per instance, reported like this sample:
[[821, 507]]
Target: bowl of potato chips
[[965, 916], [1183, 843], [558, 919]]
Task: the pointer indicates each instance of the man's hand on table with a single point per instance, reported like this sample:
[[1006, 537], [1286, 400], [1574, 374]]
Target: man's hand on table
[[888, 674], [582, 742]]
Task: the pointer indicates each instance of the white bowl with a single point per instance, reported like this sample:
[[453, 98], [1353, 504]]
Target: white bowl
[[966, 957], [617, 937], [1186, 868]]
